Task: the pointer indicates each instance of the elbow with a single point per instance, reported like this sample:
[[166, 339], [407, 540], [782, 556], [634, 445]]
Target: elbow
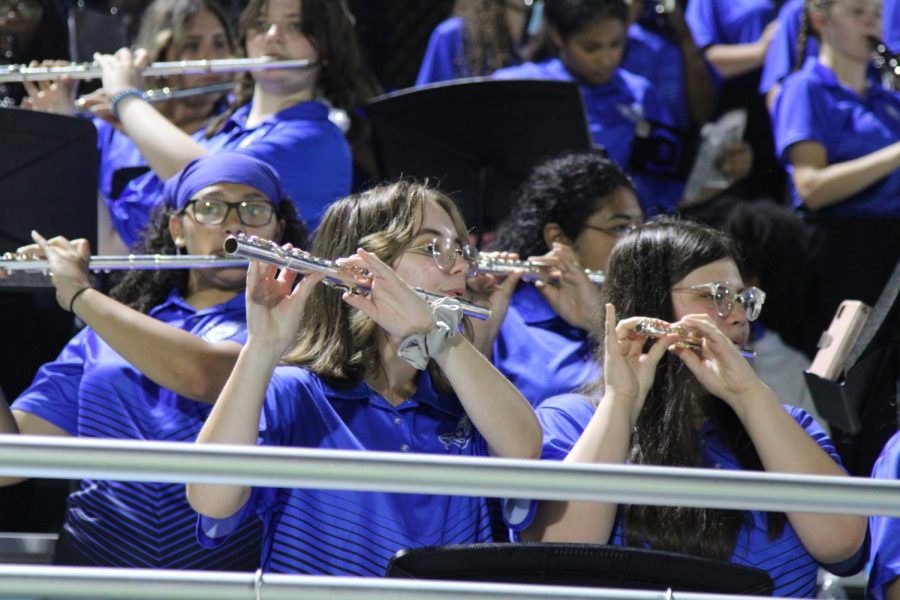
[[209, 503], [813, 195], [843, 542]]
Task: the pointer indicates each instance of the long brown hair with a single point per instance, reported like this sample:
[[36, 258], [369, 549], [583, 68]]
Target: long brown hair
[[344, 80], [643, 267], [335, 341], [487, 44], [806, 28]]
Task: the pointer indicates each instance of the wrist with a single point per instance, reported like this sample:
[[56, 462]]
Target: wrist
[[417, 349], [122, 96], [76, 296]]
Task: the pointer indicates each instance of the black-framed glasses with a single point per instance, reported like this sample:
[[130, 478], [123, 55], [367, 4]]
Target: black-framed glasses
[[444, 252], [253, 213], [723, 298], [614, 230]]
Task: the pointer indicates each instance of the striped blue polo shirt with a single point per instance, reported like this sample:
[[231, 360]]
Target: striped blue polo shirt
[[90, 391], [791, 567], [330, 532]]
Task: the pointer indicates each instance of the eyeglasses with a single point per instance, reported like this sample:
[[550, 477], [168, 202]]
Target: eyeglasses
[[615, 230], [444, 251], [752, 298], [214, 212]]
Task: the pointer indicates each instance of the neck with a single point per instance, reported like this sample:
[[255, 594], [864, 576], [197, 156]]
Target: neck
[[202, 296], [849, 71], [265, 103], [395, 379], [515, 21]]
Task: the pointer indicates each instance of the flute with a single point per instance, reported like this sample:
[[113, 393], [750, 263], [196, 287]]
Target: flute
[[23, 73], [341, 278], [656, 329], [12, 262], [534, 270]]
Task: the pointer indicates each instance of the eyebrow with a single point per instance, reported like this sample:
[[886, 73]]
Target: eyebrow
[[435, 233], [248, 197]]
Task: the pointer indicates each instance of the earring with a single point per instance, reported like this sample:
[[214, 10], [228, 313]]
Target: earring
[[179, 245]]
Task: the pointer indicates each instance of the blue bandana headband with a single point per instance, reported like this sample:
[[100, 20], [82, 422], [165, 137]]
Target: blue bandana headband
[[223, 167]]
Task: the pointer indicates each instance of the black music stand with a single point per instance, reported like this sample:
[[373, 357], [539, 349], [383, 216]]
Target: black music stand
[[478, 138], [48, 177], [585, 565]]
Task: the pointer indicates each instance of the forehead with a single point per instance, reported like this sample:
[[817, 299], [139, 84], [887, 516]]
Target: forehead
[[281, 7], [720, 270], [621, 202], [600, 31], [203, 22], [230, 190], [434, 219]]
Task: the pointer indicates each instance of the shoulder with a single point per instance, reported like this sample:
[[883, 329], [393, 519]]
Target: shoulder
[[888, 464], [526, 70], [450, 28], [564, 413]]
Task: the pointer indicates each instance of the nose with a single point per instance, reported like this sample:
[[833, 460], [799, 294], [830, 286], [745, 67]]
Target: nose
[[738, 314], [274, 31], [460, 265], [232, 223]]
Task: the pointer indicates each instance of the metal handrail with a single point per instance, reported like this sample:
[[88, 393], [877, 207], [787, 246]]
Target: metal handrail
[[127, 460]]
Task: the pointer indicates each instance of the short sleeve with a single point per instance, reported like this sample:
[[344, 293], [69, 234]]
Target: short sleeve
[[885, 531], [54, 393], [781, 53], [796, 116], [701, 19], [444, 56]]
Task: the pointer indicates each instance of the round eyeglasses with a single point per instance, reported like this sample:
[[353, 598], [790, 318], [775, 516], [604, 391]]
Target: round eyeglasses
[[723, 298], [444, 251], [214, 212]]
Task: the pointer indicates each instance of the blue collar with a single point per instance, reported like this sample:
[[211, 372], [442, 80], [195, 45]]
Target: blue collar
[[424, 394], [176, 302], [531, 305], [829, 79], [310, 110]]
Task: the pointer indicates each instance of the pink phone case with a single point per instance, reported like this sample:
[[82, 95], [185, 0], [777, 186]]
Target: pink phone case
[[835, 344]]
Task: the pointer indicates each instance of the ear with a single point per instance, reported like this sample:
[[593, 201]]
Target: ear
[[176, 230], [555, 36], [553, 233]]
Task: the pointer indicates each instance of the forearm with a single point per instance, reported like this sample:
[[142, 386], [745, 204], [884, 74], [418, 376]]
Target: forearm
[[165, 147], [606, 440], [497, 409], [234, 420], [698, 84], [785, 447], [731, 60], [174, 359], [826, 186]]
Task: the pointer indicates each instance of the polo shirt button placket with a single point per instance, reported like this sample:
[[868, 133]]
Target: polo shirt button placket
[[404, 447], [397, 420]]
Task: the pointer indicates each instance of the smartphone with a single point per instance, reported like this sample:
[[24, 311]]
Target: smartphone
[[836, 342]]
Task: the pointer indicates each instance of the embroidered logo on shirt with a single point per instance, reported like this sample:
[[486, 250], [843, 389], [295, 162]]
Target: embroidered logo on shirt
[[222, 331], [460, 437], [634, 112]]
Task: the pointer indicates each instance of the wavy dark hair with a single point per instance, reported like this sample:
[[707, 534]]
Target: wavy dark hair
[[569, 17], [565, 190], [487, 44], [142, 290], [344, 79], [643, 267], [334, 340]]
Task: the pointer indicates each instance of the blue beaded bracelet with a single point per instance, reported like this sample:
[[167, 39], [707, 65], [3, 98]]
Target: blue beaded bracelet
[[121, 95]]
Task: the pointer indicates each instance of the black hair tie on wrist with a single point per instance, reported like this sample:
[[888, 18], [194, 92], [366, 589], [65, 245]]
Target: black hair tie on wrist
[[75, 297]]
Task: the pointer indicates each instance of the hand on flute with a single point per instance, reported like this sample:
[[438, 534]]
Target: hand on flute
[[574, 297], [68, 264], [54, 96]]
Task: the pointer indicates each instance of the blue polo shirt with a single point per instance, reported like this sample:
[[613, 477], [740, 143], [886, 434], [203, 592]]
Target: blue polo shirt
[[90, 391], [656, 57], [539, 352], [117, 151], [728, 21], [613, 111], [445, 57], [885, 531], [781, 56], [891, 21], [815, 106], [308, 151], [791, 567], [348, 532]]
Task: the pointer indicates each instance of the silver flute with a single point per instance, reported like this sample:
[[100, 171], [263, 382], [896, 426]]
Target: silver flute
[[342, 278], [23, 73], [12, 262], [534, 270], [689, 339]]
